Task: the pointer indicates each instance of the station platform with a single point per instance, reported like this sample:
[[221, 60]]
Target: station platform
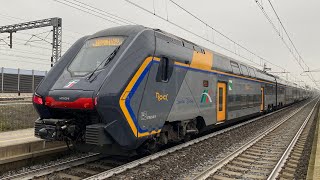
[[22, 145], [15, 96], [314, 162]]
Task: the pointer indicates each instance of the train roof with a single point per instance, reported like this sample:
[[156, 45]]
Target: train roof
[[221, 62], [128, 30]]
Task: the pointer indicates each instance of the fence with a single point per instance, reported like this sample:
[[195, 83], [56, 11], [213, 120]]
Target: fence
[[18, 113], [20, 80]]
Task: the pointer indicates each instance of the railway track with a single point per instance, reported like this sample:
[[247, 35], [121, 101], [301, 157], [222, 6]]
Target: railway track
[[77, 168], [154, 157], [96, 166], [53, 168], [272, 155]]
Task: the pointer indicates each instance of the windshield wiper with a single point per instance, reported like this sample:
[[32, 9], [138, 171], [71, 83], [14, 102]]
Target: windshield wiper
[[106, 60]]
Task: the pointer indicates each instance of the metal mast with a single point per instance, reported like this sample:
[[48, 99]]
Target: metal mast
[[56, 23]]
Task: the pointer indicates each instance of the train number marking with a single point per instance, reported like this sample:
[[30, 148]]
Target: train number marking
[[145, 116]]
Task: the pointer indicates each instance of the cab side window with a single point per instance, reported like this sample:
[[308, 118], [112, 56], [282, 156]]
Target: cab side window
[[164, 70]]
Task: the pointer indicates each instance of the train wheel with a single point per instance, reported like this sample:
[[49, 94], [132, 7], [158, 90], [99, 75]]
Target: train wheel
[[148, 148], [187, 138]]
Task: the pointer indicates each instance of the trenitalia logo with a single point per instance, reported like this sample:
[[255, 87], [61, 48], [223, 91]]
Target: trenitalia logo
[[205, 97], [71, 83], [161, 97]]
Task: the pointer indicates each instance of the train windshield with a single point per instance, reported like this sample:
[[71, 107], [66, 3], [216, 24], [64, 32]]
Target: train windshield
[[93, 54]]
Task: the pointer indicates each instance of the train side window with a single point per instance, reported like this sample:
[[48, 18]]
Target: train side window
[[252, 73], [198, 49], [220, 98], [188, 45], [244, 70], [165, 70], [235, 67]]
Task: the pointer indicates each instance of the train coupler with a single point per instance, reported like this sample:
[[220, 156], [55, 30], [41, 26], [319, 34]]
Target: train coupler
[[54, 129]]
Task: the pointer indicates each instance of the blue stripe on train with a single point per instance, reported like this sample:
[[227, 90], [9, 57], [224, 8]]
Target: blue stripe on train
[[141, 77]]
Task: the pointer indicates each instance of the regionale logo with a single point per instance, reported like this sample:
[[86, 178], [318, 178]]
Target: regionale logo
[[161, 97], [205, 97]]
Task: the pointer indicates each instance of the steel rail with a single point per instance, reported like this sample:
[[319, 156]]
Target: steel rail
[[146, 159], [215, 167], [54, 168], [277, 169]]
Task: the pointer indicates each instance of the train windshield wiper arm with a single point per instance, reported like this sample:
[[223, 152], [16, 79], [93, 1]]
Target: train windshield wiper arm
[[111, 56], [105, 61]]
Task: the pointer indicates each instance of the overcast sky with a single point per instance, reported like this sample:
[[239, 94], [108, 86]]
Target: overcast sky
[[242, 21]]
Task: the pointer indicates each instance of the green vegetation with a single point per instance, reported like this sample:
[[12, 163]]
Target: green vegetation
[[17, 116]]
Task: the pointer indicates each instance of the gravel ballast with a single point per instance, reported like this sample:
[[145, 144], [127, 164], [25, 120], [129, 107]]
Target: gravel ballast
[[302, 169]]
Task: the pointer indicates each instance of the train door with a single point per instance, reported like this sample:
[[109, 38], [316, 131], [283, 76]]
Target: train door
[[262, 99], [221, 101]]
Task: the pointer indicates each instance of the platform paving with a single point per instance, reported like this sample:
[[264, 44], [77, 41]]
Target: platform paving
[[4, 95], [17, 137], [15, 96], [22, 144], [314, 162]]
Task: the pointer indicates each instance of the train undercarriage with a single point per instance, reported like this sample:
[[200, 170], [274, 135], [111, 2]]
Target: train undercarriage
[[84, 135]]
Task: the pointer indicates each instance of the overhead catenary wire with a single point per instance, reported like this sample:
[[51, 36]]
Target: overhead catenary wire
[[34, 46], [199, 36], [31, 45], [25, 57], [42, 38], [283, 27], [109, 14], [45, 39], [33, 42], [96, 10], [27, 42], [87, 10], [17, 19], [285, 30], [85, 6], [27, 52], [40, 63], [298, 59], [223, 35], [16, 52], [103, 14], [212, 42]]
